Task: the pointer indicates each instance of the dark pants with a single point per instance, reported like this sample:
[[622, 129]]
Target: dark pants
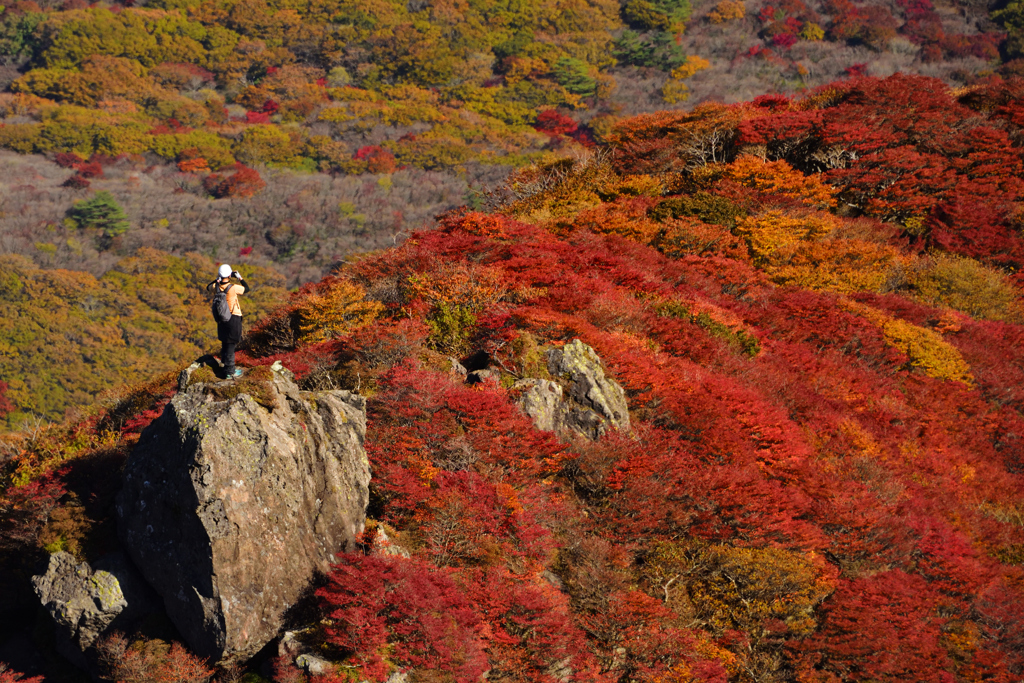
[[229, 333]]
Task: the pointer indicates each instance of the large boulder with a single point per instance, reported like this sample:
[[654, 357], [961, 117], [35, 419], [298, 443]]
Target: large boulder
[[591, 402], [236, 496]]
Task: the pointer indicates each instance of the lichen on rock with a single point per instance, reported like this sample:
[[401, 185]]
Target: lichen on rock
[[81, 601], [590, 403]]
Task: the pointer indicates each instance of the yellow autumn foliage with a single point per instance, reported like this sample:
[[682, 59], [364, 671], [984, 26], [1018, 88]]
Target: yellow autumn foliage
[[723, 587], [772, 232], [803, 251], [459, 284], [843, 266], [332, 310], [965, 285], [926, 349], [693, 64], [726, 10]]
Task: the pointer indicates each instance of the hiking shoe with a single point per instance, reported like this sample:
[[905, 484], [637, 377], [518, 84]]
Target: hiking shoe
[[235, 374]]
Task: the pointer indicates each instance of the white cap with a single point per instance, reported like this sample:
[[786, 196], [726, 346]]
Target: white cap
[[225, 270]]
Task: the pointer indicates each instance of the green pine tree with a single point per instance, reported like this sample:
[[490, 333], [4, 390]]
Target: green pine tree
[[574, 75], [102, 212]]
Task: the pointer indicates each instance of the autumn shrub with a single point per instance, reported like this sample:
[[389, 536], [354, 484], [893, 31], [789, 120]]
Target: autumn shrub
[[553, 123], [451, 327], [772, 233], [377, 160], [23, 138], [880, 627], [148, 661], [244, 182], [193, 165], [925, 348], [761, 591], [592, 571], [928, 351], [90, 169], [558, 190], [709, 208], [405, 610], [456, 294], [779, 178], [385, 347], [25, 509], [626, 217], [67, 159], [726, 10], [76, 182], [682, 236], [839, 266], [333, 308], [9, 676], [966, 285]]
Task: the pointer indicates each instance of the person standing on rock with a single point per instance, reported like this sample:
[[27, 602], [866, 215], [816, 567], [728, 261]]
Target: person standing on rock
[[228, 314]]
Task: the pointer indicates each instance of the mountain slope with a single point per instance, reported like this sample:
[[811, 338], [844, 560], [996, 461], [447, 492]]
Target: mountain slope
[[823, 476]]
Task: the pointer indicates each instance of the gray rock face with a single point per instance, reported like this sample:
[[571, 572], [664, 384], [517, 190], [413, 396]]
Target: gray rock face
[[83, 602], [543, 401], [591, 404], [229, 507]]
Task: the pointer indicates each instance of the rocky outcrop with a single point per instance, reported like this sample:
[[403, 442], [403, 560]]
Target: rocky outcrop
[[236, 495], [591, 402]]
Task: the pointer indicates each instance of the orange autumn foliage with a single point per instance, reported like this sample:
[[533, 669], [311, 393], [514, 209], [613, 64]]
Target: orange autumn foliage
[[779, 178], [626, 217]]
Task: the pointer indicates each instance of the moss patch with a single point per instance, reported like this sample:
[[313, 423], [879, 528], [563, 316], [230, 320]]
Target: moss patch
[[256, 383]]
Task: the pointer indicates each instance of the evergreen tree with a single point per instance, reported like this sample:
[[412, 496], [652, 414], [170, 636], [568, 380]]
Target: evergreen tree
[[574, 75], [103, 212]]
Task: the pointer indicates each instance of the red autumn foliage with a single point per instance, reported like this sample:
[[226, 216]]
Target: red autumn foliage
[[8, 676], [90, 169], [421, 612], [784, 40], [24, 509], [378, 159], [67, 159], [880, 628], [76, 182], [244, 182], [553, 123]]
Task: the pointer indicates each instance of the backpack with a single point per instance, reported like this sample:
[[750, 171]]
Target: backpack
[[220, 308]]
